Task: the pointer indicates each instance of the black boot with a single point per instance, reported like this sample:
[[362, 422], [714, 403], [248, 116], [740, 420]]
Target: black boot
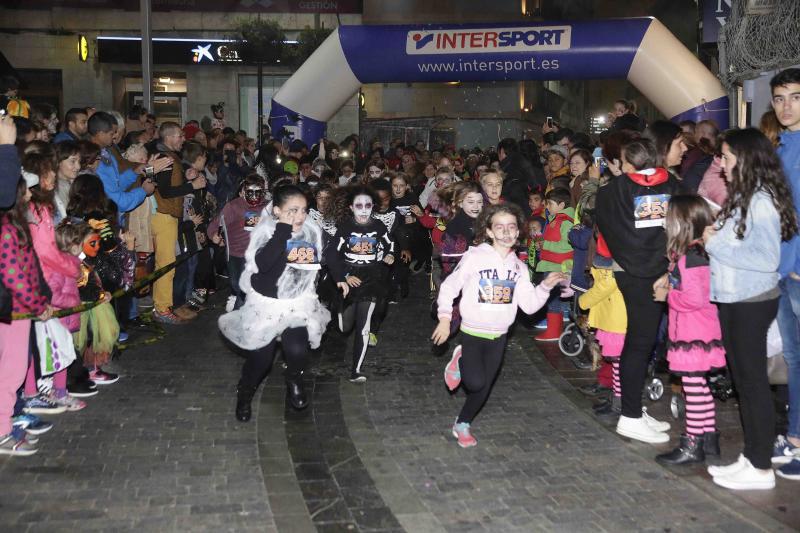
[[296, 392], [711, 443], [689, 450], [244, 398], [610, 406]]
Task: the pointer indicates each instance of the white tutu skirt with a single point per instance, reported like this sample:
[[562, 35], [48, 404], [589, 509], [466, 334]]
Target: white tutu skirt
[[262, 319]]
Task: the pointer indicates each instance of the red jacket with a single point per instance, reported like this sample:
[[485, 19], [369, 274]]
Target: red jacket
[[552, 233]]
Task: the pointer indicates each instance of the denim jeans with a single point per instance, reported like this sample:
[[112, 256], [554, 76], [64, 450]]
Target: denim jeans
[[789, 323], [235, 269]]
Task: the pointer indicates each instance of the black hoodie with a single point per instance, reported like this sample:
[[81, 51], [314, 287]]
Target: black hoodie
[[634, 230]]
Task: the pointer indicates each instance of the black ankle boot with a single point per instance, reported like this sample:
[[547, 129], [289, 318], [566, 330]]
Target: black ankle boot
[[244, 398], [296, 392], [711, 443], [689, 450]]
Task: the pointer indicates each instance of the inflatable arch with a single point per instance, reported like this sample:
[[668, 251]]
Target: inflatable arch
[[640, 49]]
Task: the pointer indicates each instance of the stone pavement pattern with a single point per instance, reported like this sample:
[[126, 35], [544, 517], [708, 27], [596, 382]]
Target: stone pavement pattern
[[161, 451]]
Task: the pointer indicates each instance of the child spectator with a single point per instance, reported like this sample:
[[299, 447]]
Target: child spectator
[[536, 204], [695, 337], [556, 256]]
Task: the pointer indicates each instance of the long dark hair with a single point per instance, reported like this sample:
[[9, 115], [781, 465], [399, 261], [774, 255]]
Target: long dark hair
[[662, 133], [86, 195], [757, 168], [688, 215], [41, 163], [17, 215]]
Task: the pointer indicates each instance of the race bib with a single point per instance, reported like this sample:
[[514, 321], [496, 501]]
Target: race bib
[[496, 291], [404, 210], [301, 252], [362, 245], [650, 211], [251, 219]]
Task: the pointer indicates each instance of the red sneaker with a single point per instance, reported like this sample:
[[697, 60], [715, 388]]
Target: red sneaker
[[464, 435]]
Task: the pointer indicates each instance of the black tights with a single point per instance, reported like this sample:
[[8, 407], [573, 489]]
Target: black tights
[[294, 342], [360, 315], [480, 362]]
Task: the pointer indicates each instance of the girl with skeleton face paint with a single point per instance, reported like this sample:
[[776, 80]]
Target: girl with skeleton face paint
[[357, 259]]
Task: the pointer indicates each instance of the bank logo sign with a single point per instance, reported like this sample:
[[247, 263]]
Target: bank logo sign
[[490, 40]]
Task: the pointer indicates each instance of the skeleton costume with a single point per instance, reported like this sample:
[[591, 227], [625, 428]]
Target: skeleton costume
[[359, 250], [263, 318]]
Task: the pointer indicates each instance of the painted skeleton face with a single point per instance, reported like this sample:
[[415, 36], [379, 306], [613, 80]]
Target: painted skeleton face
[[253, 195], [375, 172], [362, 208]]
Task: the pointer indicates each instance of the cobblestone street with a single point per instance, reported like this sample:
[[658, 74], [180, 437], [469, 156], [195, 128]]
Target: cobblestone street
[[161, 451]]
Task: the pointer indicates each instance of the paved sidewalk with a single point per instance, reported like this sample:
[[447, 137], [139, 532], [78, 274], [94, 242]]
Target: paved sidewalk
[[161, 451]]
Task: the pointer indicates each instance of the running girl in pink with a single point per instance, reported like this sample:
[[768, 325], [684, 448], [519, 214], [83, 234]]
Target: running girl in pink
[[492, 283]]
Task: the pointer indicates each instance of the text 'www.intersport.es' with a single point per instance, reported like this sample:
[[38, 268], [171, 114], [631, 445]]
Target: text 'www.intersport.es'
[[490, 66]]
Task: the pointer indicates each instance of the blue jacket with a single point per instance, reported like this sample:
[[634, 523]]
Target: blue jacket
[[9, 175], [789, 152], [116, 184], [744, 268], [65, 135]]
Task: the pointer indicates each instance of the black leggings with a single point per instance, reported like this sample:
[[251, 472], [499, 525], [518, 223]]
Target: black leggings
[[744, 334], [358, 314], [294, 342], [644, 317], [480, 362]]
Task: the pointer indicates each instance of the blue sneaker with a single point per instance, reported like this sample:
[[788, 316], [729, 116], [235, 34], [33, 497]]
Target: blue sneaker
[[123, 336], [784, 451], [20, 434], [39, 405], [542, 324], [790, 470], [32, 424]]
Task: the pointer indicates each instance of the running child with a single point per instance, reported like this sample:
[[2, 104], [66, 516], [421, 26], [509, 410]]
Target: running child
[[493, 283]]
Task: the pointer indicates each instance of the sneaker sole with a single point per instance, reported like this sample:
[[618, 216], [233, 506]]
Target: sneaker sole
[[84, 394], [663, 438], [734, 485], [38, 431], [793, 477], [448, 370], [44, 411], [784, 459], [18, 453], [103, 383], [358, 380]]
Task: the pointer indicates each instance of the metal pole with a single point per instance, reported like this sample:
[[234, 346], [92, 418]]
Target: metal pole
[[147, 56], [260, 104]]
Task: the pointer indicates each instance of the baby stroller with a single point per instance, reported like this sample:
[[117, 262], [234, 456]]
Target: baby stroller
[[574, 338]]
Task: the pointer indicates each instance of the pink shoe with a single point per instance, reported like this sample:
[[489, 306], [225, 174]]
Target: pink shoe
[[462, 433], [452, 372]]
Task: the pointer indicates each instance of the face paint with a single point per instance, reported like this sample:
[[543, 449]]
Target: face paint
[[362, 208], [375, 172], [253, 195], [91, 245]]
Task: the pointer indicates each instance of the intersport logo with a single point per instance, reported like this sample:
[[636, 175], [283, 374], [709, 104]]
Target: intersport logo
[[489, 40]]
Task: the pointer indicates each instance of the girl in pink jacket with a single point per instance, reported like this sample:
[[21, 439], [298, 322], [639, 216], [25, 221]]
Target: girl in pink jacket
[[492, 283], [695, 337]]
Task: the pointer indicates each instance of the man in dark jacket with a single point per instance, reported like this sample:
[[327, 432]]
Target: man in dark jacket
[[9, 162], [521, 177]]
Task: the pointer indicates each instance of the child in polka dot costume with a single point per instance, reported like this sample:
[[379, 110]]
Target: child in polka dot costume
[[21, 281]]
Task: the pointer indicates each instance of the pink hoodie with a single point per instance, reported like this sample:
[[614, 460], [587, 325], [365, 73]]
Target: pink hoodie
[[713, 185], [491, 288]]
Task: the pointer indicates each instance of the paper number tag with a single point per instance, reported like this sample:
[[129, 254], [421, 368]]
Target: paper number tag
[[496, 291], [300, 252], [650, 211]]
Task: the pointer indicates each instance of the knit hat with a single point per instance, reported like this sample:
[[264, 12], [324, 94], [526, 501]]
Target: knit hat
[[557, 148], [190, 130], [30, 178]]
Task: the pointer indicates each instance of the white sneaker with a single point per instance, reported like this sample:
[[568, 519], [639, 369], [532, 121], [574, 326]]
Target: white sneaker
[[230, 304], [747, 477], [717, 471], [639, 429], [653, 423]]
